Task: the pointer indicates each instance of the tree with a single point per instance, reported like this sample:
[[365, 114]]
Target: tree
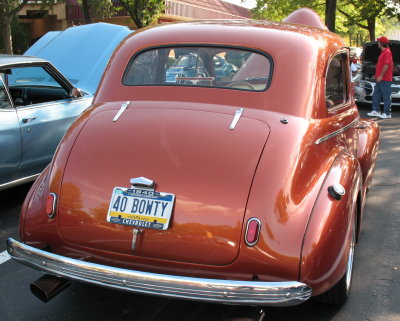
[[330, 14], [86, 11], [364, 14], [277, 10], [393, 9], [143, 12], [97, 8], [8, 11]]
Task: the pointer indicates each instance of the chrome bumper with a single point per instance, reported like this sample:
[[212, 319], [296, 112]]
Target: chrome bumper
[[188, 288]]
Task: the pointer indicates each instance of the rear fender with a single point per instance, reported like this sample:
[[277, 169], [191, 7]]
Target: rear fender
[[328, 234], [367, 152], [35, 196]]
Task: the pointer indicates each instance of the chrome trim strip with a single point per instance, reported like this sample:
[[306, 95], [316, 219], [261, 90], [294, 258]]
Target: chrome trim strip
[[180, 287], [19, 182], [337, 132], [12, 109], [121, 110], [236, 118], [52, 103]]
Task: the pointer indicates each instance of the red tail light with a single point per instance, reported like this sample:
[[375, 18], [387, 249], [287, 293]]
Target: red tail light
[[252, 231], [51, 205]]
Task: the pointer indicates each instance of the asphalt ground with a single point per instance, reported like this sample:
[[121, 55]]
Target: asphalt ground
[[376, 281]]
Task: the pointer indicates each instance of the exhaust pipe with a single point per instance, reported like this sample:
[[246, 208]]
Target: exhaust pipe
[[48, 286]]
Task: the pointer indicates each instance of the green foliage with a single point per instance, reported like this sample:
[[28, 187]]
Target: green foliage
[[20, 36], [143, 12], [100, 8], [393, 9], [352, 17], [277, 10], [8, 12], [359, 12]]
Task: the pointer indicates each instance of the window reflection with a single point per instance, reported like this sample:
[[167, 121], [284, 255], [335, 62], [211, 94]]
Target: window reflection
[[336, 91], [200, 66]]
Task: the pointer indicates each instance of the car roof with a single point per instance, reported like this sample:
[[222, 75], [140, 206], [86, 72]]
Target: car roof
[[263, 35], [294, 49], [7, 60]]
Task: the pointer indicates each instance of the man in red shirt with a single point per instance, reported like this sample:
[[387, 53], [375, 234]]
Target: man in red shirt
[[383, 76]]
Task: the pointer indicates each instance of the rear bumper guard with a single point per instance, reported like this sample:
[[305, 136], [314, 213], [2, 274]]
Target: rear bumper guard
[[179, 287]]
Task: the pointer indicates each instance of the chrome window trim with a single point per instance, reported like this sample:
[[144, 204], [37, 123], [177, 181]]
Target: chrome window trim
[[19, 182], [51, 103], [8, 95], [336, 132], [7, 110], [347, 101], [47, 67], [338, 108]]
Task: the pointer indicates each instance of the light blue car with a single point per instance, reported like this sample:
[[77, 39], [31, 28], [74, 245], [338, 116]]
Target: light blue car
[[40, 99]]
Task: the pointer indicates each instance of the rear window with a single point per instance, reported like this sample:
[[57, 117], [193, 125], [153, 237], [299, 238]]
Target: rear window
[[200, 66]]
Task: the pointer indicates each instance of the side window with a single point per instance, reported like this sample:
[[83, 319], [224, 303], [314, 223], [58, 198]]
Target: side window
[[4, 100], [336, 92], [33, 85]]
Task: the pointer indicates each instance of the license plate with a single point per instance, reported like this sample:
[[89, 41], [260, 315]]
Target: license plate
[[141, 208]]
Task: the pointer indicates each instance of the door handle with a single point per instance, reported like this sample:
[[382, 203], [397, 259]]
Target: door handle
[[27, 120]]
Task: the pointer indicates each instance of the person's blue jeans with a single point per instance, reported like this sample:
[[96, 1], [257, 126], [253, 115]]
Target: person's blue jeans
[[382, 91]]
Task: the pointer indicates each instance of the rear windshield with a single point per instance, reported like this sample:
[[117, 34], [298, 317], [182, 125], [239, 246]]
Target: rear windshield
[[200, 66]]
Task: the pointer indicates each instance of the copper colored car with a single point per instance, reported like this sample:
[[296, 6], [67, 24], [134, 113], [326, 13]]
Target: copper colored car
[[245, 189]]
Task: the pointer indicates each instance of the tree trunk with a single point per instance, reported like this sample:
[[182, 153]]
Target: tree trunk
[[86, 11], [330, 14], [371, 28], [6, 33], [133, 12], [5, 25]]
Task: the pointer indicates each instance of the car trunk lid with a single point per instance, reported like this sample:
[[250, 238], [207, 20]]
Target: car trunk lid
[[192, 154]]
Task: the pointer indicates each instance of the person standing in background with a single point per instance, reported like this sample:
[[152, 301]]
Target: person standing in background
[[383, 77]]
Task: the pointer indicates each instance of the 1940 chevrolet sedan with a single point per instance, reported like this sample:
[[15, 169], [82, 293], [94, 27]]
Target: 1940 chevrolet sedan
[[243, 189]]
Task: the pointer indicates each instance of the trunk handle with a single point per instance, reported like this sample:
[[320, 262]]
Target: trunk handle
[[143, 183]]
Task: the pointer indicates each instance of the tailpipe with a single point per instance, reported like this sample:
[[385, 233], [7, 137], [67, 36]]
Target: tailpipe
[[48, 286]]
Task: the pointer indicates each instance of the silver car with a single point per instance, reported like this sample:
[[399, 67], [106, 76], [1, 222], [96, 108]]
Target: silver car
[[38, 103]]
